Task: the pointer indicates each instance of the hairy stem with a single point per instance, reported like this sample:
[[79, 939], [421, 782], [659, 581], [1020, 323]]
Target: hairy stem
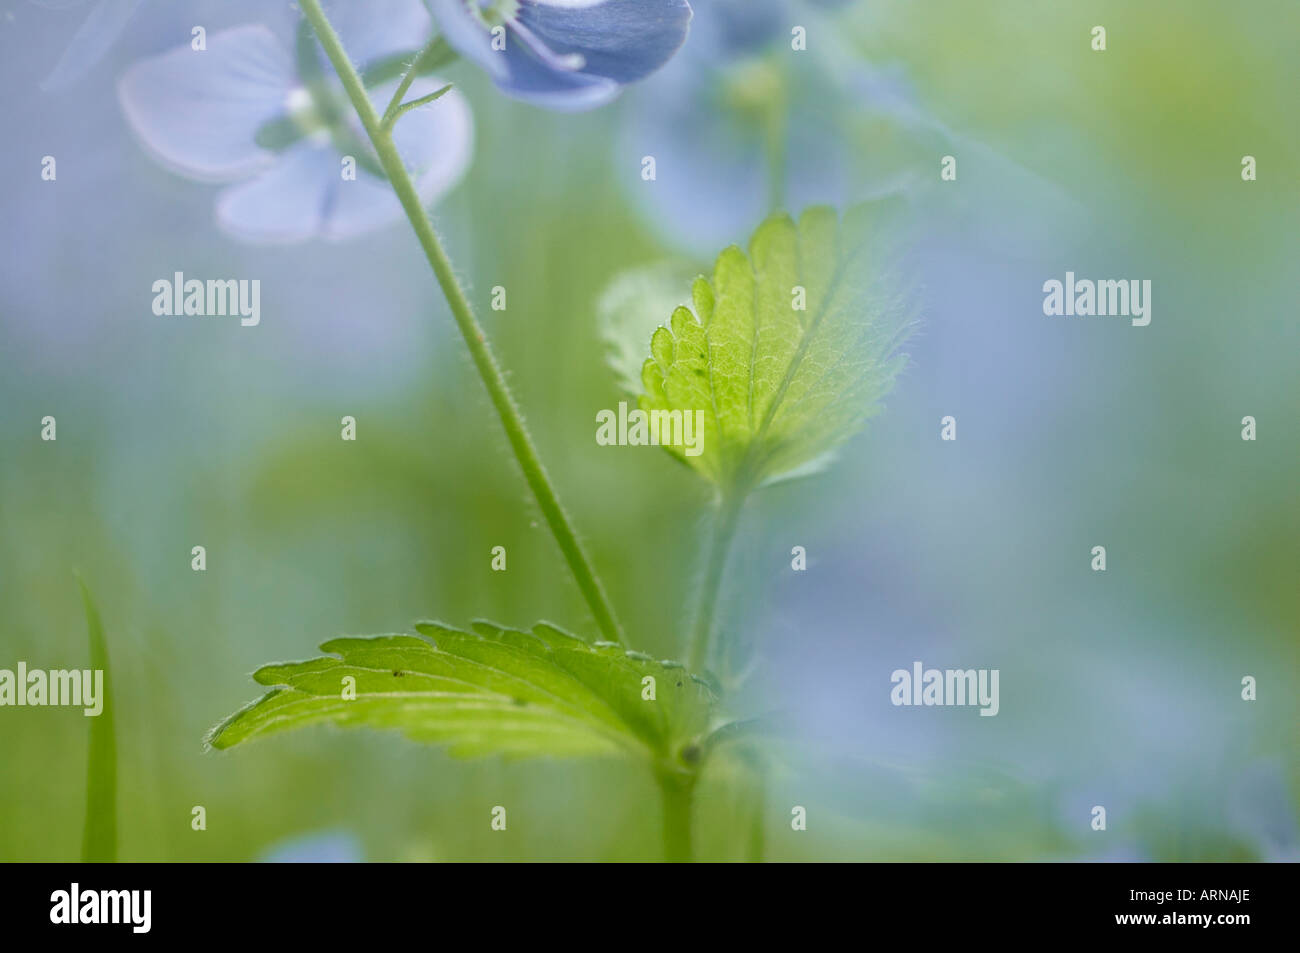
[[724, 531], [677, 796], [400, 93], [434, 54], [403, 108], [484, 361]]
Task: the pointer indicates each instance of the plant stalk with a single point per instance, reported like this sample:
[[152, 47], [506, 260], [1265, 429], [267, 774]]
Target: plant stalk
[[677, 792], [724, 532], [484, 361]]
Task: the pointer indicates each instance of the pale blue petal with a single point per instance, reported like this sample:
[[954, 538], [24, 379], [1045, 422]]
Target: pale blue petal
[[374, 29], [289, 202], [326, 847], [710, 187], [711, 181], [467, 37], [199, 111], [100, 30], [358, 206], [305, 196], [436, 143]]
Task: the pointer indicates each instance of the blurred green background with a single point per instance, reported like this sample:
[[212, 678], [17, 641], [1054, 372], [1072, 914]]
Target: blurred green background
[[1119, 689]]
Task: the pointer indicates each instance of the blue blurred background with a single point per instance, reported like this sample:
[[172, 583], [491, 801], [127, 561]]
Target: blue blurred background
[[1119, 689]]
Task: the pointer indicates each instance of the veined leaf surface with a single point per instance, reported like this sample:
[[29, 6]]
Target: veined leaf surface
[[785, 351], [493, 690]]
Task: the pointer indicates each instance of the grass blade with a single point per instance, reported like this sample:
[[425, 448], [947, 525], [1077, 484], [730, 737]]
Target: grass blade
[[99, 840]]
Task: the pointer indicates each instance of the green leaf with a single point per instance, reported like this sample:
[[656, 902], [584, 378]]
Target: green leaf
[[779, 386], [99, 839], [493, 690], [632, 306]]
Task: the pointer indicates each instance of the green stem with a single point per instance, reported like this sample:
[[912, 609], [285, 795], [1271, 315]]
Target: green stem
[[436, 51], [390, 114], [403, 108], [724, 531], [677, 792], [484, 360]]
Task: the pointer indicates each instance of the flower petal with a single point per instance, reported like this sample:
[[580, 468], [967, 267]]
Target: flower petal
[[379, 28], [304, 195], [531, 80], [198, 111], [323, 847], [435, 142], [712, 162], [288, 202], [570, 54], [622, 40], [467, 36]]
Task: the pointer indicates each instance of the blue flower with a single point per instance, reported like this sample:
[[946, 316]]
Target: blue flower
[[727, 28], [741, 125], [253, 110], [564, 54], [323, 847]]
